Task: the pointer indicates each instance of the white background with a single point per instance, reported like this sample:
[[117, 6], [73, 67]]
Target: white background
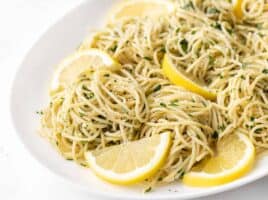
[[21, 177]]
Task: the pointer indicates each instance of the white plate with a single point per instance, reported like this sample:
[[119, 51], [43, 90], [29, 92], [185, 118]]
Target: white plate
[[30, 93]]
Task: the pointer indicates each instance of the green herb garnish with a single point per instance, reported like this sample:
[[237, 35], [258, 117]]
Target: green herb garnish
[[163, 50], [182, 175], [230, 31], [212, 11], [174, 103], [163, 104], [258, 130], [40, 112], [148, 58], [148, 189], [215, 135], [221, 128], [184, 45], [157, 88], [265, 71], [81, 114], [102, 117], [211, 60], [89, 95], [217, 26], [113, 49], [259, 26]]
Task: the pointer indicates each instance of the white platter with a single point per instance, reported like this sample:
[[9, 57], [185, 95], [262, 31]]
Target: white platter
[[29, 93]]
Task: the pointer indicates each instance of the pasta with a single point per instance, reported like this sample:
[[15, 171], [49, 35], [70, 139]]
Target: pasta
[[205, 40]]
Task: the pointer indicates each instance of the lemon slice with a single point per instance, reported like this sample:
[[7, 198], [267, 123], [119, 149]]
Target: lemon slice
[[237, 8], [235, 157], [139, 8], [130, 162], [179, 78], [79, 62]]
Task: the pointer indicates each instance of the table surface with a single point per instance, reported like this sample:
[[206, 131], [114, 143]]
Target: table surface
[[21, 176]]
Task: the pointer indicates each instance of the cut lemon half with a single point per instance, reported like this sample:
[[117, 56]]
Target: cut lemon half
[[79, 62], [141, 8], [235, 157], [177, 77], [237, 8], [131, 162]]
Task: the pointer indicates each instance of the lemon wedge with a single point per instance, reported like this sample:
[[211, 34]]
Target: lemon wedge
[[131, 162], [237, 8], [136, 8], [235, 157], [79, 62], [186, 81]]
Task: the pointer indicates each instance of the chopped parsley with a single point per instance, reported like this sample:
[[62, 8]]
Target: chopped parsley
[[230, 31], [163, 104], [217, 26], [89, 95], [163, 50], [157, 88], [265, 71], [181, 173], [85, 88], [81, 114], [184, 45], [209, 81], [252, 118], [148, 190], [113, 49], [148, 58], [221, 128], [40, 112], [211, 60], [261, 35], [259, 26], [215, 135], [174, 103], [102, 117], [258, 130], [212, 10]]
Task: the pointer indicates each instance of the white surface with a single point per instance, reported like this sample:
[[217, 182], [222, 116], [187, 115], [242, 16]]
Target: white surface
[[21, 176]]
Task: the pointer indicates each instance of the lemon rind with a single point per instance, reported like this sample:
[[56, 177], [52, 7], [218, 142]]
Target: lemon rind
[[138, 174]]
